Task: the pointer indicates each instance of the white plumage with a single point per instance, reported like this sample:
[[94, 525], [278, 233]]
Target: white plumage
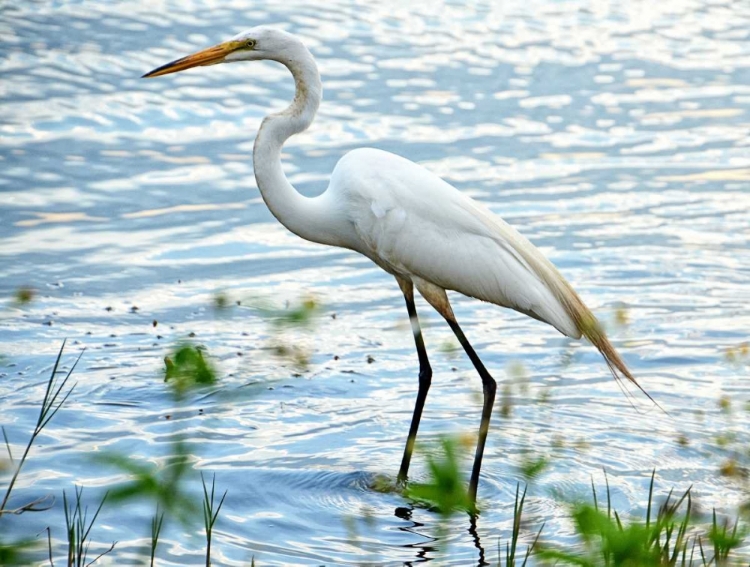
[[408, 221], [415, 225]]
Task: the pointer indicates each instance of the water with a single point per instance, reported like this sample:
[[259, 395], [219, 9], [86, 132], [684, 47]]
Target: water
[[614, 136]]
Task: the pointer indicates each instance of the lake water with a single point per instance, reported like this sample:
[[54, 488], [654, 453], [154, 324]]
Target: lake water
[[616, 136]]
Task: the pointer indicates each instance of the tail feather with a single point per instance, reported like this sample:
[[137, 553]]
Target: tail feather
[[593, 331], [585, 322], [589, 327]]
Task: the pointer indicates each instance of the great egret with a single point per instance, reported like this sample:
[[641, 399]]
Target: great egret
[[408, 221]]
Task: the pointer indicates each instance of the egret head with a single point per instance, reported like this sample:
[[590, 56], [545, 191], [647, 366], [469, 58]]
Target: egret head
[[261, 42]]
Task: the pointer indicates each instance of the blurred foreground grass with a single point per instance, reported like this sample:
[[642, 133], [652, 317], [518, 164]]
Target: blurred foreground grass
[[163, 485], [674, 533]]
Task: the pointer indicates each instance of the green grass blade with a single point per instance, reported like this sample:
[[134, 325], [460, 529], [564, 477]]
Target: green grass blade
[[156, 524], [609, 495], [533, 545], [7, 445], [50, 382], [650, 498], [42, 420], [593, 490], [59, 389]]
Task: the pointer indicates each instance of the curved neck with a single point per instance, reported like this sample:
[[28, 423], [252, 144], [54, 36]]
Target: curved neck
[[304, 216]]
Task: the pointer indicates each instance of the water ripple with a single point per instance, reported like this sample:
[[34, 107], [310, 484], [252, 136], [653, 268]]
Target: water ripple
[[613, 136]]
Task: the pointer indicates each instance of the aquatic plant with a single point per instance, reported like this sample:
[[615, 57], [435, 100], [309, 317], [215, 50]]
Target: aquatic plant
[[446, 489], [210, 515], [671, 537], [16, 552], [187, 367], [301, 314], [51, 404], [23, 296], [78, 527], [511, 546], [446, 492], [156, 524]]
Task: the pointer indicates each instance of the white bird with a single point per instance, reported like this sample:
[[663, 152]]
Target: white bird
[[410, 222]]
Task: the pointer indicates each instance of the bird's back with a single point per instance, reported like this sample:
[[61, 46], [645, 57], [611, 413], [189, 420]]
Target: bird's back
[[413, 223]]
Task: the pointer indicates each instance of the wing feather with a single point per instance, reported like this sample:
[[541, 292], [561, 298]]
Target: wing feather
[[412, 223]]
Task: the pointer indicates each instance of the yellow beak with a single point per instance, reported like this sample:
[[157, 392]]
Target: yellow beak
[[210, 56]]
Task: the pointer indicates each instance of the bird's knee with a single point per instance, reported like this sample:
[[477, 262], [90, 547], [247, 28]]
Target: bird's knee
[[489, 385], [425, 377]]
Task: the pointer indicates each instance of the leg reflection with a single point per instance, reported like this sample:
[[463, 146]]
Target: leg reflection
[[477, 541], [427, 552]]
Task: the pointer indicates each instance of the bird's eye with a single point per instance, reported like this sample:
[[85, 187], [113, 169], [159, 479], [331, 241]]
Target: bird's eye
[[250, 43]]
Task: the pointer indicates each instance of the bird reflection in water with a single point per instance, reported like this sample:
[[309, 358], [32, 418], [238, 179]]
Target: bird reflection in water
[[428, 552]]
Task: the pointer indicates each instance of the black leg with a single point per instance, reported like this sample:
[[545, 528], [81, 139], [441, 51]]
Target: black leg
[[489, 387], [425, 378]]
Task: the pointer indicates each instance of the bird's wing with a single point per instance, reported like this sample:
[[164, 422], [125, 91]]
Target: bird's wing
[[413, 223]]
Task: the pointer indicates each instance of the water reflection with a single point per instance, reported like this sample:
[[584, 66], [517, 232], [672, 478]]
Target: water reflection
[[615, 137], [424, 551]]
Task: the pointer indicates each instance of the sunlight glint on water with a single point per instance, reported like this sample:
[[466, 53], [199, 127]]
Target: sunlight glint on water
[[614, 137]]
